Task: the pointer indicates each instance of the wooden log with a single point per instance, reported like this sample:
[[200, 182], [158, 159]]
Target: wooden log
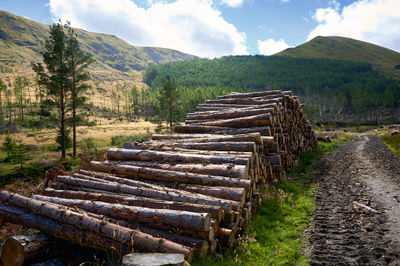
[[62, 230], [159, 259], [230, 113], [157, 218], [227, 170], [212, 146], [159, 156], [113, 231], [215, 212], [264, 131], [24, 249], [245, 101], [254, 94], [248, 137], [159, 174], [118, 188], [248, 121], [236, 194]]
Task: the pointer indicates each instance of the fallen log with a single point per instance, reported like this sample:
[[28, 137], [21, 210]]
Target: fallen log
[[157, 218], [230, 113], [236, 194], [249, 137], [160, 259], [159, 174], [254, 94], [113, 231]]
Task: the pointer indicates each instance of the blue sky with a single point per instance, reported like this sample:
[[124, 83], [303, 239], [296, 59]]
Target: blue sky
[[213, 28]]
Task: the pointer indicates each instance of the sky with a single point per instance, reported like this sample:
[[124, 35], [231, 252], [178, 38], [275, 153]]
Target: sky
[[214, 28]]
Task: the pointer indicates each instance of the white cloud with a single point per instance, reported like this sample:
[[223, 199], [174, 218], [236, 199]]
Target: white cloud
[[191, 26], [375, 21], [270, 46], [285, 1], [233, 3]]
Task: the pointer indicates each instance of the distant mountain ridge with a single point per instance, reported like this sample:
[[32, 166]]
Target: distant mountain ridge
[[382, 59], [22, 40]]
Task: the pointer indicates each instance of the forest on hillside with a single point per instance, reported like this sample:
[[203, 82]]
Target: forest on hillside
[[332, 89]]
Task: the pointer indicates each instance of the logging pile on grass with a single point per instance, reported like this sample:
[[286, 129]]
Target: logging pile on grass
[[192, 192]]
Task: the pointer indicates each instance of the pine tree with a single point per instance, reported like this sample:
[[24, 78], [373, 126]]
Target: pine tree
[[56, 79], [7, 146], [78, 62], [3, 88], [168, 100], [19, 153], [20, 85]]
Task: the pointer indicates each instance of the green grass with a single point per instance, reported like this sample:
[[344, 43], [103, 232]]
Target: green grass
[[275, 234], [393, 143]]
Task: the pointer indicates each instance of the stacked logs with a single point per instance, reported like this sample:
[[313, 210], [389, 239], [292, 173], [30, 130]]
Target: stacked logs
[[188, 192]]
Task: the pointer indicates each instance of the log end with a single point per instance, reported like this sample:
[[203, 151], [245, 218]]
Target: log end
[[153, 259], [12, 252]]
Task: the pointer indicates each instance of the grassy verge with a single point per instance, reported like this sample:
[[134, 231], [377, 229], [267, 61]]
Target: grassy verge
[[393, 143], [275, 234]]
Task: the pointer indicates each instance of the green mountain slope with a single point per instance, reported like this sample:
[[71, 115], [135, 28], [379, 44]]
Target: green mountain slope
[[21, 41], [382, 59]]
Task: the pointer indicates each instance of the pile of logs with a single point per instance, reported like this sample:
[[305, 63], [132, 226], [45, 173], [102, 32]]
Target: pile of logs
[[191, 192]]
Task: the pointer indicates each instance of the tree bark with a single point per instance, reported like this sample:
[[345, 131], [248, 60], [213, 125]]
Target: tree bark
[[109, 230], [157, 218]]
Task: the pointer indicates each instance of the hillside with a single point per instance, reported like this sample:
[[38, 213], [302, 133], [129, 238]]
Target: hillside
[[334, 89], [116, 61], [382, 59]]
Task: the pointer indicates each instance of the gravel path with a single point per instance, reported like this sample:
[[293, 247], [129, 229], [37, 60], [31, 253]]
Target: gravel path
[[357, 216]]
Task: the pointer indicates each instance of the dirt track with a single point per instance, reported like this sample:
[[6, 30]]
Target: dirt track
[[359, 174]]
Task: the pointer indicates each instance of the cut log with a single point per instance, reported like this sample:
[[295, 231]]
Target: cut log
[[216, 212], [24, 249], [231, 113], [249, 137], [183, 197], [159, 259], [113, 231], [236, 194], [245, 101], [157, 218], [159, 156], [52, 227], [212, 146], [248, 121], [159, 174], [264, 131], [227, 170]]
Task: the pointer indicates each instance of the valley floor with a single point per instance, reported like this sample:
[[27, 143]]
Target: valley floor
[[357, 215]]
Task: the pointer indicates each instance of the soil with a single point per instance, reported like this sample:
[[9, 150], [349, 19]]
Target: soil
[[357, 216]]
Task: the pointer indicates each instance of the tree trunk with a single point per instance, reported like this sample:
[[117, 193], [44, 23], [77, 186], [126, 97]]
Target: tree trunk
[[167, 175], [157, 218]]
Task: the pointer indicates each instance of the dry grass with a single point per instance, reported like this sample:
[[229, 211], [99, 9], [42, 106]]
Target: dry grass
[[101, 133]]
